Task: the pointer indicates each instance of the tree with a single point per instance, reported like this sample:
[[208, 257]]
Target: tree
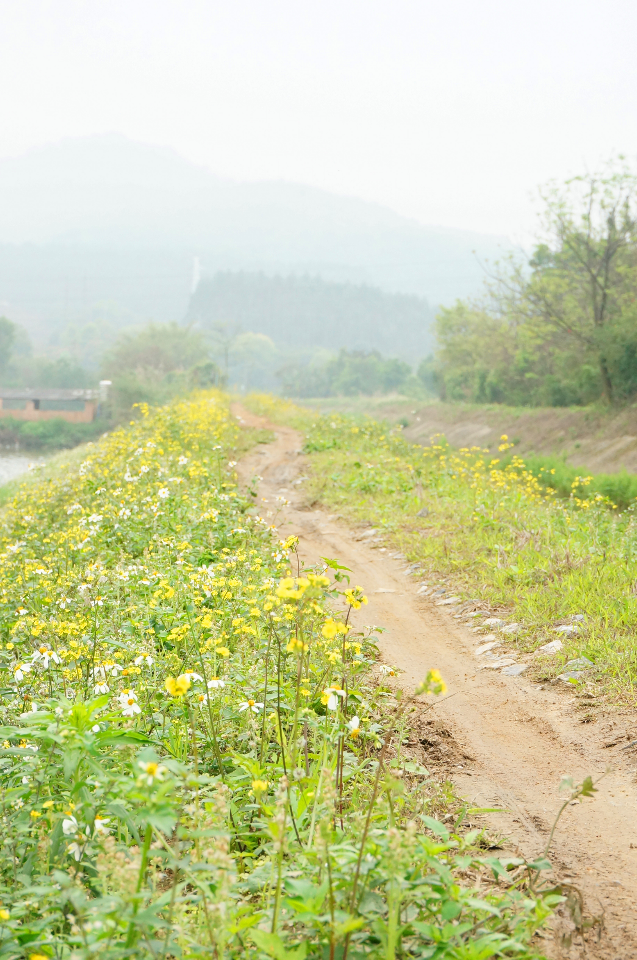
[[7, 340], [158, 347], [154, 364], [351, 373], [558, 327], [225, 336], [584, 273]]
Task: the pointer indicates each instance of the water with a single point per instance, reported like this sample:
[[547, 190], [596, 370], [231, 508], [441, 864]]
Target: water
[[15, 464]]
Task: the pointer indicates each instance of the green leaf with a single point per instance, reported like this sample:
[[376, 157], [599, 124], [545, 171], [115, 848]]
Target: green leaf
[[347, 926], [372, 902], [272, 944], [305, 897], [71, 760], [588, 789], [123, 736], [450, 910], [436, 827], [476, 904]]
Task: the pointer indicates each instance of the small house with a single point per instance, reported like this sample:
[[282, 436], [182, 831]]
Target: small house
[[76, 406]]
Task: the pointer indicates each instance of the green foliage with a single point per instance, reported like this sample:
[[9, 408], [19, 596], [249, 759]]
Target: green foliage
[[555, 474], [559, 329], [485, 357], [429, 375], [194, 759], [7, 338], [162, 348], [54, 434], [62, 373], [19, 368], [352, 372], [155, 364]]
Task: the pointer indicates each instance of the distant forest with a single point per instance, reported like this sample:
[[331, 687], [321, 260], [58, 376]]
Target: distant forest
[[307, 313]]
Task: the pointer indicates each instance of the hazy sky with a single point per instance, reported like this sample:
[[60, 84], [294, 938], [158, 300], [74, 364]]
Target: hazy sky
[[450, 112]]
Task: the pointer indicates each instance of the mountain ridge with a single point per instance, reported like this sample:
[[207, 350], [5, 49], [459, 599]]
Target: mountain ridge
[[113, 192]]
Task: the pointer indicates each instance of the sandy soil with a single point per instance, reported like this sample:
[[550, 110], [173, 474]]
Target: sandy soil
[[503, 741]]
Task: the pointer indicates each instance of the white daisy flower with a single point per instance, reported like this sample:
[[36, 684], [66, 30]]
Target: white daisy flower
[[20, 670], [252, 705], [46, 656], [70, 826], [144, 658], [216, 683], [386, 671], [163, 492], [128, 702], [152, 771], [330, 697], [354, 726], [75, 850]]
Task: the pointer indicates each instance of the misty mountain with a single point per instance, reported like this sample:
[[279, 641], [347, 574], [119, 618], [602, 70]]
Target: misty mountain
[[305, 313], [108, 219]]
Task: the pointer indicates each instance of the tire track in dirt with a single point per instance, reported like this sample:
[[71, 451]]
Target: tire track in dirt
[[515, 740]]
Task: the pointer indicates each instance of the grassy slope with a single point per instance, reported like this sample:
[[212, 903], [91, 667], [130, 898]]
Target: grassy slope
[[592, 438], [491, 534]]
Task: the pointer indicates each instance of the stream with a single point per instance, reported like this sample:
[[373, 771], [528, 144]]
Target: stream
[[14, 464]]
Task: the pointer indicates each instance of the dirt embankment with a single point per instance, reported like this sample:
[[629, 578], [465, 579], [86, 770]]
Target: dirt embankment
[[598, 440], [504, 741]]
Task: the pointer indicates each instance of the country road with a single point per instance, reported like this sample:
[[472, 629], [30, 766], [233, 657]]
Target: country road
[[504, 742]]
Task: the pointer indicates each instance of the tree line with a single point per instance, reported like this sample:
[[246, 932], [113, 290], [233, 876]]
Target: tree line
[[305, 314]]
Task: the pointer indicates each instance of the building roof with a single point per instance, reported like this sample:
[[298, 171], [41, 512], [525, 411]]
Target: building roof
[[45, 393]]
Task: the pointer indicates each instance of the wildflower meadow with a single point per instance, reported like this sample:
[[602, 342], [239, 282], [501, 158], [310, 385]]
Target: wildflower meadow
[[196, 758]]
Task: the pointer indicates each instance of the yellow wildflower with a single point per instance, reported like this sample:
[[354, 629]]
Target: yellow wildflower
[[178, 687], [433, 683]]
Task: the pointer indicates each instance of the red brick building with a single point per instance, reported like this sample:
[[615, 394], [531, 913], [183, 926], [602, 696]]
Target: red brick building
[[76, 406]]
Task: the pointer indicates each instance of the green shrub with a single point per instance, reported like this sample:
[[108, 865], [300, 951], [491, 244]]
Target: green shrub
[[55, 434]]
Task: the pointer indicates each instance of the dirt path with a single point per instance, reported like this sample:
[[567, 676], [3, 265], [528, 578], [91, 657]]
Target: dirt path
[[507, 743]]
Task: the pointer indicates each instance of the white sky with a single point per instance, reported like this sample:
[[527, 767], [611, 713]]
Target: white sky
[[449, 111]]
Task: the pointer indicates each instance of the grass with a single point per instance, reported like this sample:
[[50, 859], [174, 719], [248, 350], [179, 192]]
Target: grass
[[54, 434], [494, 530], [555, 474], [196, 759]]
